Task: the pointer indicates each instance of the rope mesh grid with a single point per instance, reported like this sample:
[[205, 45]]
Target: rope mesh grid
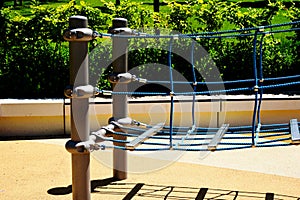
[[198, 138]]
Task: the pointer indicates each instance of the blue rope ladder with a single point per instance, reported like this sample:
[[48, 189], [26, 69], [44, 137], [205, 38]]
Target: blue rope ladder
[[197, 138]]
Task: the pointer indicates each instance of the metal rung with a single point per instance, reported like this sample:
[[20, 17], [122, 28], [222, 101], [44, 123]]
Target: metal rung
[[217, 138], [144, 136], [294, 130]]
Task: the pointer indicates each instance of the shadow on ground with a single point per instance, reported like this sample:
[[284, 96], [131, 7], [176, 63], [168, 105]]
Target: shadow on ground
[[94, 185], [111, 187]]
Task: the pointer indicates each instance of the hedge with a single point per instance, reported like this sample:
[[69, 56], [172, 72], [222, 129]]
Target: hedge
[[34, 56]]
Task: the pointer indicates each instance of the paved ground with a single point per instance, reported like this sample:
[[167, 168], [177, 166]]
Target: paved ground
[[41, 169]]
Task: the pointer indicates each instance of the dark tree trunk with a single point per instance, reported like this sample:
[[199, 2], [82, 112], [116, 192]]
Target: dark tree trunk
[[156, 5], [1, 4]]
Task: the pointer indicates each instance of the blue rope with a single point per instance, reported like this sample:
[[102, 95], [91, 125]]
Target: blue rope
[[249, 134], [246, 29], [280, 85], [224, 82], [281, 31], [275, 135], [195, 86], [172, 90], [275, 140], [261, 90], [281, 78], [217, 34], [204, 92], [202, 83], [197, 149], [256, 91], [232, 145], [158, 136]]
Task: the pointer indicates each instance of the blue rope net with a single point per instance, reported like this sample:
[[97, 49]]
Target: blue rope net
[[195, 138]]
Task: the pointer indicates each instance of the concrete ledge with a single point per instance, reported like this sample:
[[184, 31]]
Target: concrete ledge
[[32, 117], [52, 116]]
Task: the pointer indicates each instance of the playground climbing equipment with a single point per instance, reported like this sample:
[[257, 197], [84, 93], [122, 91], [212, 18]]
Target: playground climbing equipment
[[125, 133]]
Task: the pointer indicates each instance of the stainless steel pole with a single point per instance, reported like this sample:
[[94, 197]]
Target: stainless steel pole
[[79, 112], [120, 65]]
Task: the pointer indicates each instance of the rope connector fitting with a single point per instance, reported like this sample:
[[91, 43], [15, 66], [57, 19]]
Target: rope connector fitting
[[195, 83], [68, 91], [261, 80], [256, 88], [172, 94], [72, 148], [79, 35], [261, 29], [86, 91], [125, 78]]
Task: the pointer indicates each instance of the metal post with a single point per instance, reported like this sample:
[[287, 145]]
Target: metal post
[[120, 65], [79, 112]]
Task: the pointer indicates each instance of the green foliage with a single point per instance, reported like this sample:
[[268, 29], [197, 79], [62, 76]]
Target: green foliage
[[179, 15], [34, 56], [254, 17], [137, 16], [210, 14]]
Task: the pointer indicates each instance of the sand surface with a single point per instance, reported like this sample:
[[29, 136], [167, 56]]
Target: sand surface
[[31, 169]]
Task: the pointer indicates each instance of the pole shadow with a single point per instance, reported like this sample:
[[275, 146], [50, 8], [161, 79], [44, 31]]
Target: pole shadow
[[126, 191], [94, 184]]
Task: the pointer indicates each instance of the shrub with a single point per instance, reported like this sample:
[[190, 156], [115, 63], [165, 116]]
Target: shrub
[[34, 56]]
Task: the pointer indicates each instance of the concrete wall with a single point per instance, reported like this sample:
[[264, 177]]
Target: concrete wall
[[52, 117], [31, 117]]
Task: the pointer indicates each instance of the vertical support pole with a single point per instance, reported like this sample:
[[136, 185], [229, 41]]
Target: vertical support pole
[[79, 112], [156, 9], [120, 108], [156, 5]]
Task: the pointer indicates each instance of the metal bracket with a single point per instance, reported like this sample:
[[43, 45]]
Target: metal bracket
[[71, 147], [108, 131], [122, 31], [79, 34], [94, 138], [125, 78], [86, 91], [68, 91], [127, 122]]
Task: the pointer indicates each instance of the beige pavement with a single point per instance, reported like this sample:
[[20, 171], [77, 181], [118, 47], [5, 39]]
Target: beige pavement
[[38, 169]]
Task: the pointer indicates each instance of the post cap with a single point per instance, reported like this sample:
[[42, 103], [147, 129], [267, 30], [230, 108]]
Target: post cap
[[78, 21], [119, 23]]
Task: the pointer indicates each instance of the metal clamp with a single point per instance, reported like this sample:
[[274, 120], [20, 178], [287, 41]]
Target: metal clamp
[[172, 94], [72, 147], [79, 34], [86, 91], [122, 31], [94, 138], [125, 78]]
